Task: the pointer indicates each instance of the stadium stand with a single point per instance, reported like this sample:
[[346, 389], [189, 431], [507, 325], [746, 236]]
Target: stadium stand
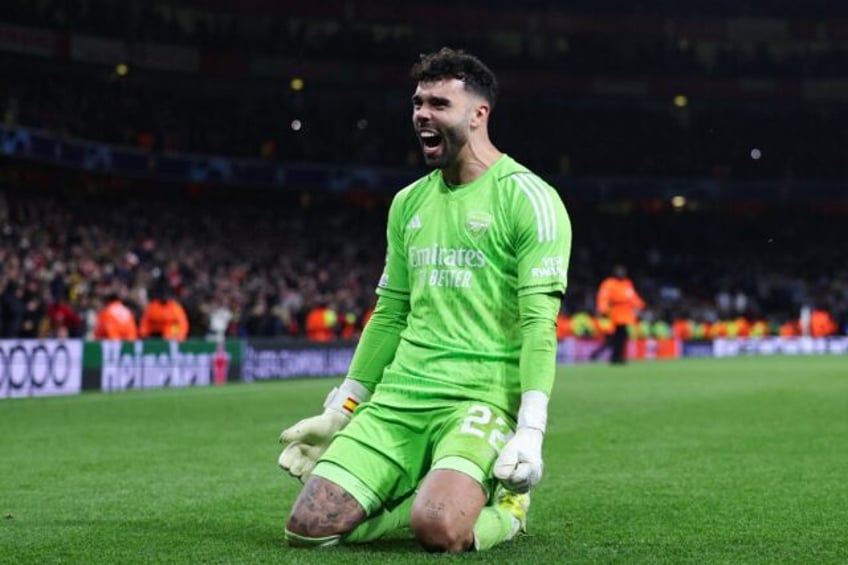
[[610, 79], [288, 253], [663, 94]]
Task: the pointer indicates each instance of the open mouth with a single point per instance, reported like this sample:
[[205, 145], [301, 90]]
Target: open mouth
[[430, 140]]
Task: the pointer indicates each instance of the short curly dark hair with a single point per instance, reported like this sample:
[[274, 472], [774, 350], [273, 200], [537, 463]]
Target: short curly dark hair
[[456, 63]]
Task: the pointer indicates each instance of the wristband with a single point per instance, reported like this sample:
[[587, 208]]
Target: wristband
[[534, 410], [346, 397]]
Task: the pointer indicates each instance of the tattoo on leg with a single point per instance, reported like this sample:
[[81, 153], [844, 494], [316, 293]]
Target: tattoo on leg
[[324, 509], [434, 509]]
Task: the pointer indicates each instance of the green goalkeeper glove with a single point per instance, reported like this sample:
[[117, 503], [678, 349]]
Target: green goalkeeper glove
[[309, 438]]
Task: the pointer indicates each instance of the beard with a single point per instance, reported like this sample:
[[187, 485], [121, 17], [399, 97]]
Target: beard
[[454, 139]]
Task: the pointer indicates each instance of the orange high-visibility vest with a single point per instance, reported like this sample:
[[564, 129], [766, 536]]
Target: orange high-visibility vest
[[116, 321], [321, 324], [821, 323], [563, 326], [618, 299], [165, 319]]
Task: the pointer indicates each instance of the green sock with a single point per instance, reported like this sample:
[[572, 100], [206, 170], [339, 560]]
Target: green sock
[[382, 523], [494, 525]]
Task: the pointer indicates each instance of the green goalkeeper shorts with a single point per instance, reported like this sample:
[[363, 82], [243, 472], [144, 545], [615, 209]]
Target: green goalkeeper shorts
[[385, 452]]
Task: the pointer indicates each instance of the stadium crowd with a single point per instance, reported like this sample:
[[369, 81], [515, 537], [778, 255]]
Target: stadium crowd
[[257, 269], [272, 262], [258, 263]]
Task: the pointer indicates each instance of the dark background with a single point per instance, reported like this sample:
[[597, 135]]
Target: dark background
[[741, 108]]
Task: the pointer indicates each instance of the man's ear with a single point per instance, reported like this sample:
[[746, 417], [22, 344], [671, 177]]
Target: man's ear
[[480, 115]]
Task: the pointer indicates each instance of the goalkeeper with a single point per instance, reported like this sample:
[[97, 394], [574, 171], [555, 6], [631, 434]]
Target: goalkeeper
[[440, 421]]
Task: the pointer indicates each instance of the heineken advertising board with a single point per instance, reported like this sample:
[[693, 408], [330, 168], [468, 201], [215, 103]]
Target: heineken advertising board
[[115, 365]]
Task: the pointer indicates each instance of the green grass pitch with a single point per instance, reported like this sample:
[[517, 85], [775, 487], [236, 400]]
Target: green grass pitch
[[692, 461]]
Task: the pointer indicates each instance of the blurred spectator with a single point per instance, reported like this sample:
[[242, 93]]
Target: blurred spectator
[[822, 323], [164, 317], [260, 321], [64, 322], [322, 322], [116, 321], [220, 316], [13, 309], [35, 323]]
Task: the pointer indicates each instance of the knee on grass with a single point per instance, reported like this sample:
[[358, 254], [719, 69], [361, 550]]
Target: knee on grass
[[440, 535]]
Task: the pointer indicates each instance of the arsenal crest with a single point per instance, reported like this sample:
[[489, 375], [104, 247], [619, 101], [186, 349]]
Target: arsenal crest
[[478, 223]]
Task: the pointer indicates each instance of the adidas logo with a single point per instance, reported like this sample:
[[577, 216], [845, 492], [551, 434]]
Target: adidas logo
[[415, 222]]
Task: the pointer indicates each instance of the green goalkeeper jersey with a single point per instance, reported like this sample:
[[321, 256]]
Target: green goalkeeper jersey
[[462, 256]]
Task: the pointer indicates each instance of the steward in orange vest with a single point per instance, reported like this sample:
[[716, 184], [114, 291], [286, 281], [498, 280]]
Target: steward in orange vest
[[821, 323], [618, 299], [321, 324], [164, 317], [115, 321]]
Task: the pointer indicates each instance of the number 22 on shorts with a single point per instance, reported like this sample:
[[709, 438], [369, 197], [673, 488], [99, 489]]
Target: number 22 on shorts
[[479, 423]]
